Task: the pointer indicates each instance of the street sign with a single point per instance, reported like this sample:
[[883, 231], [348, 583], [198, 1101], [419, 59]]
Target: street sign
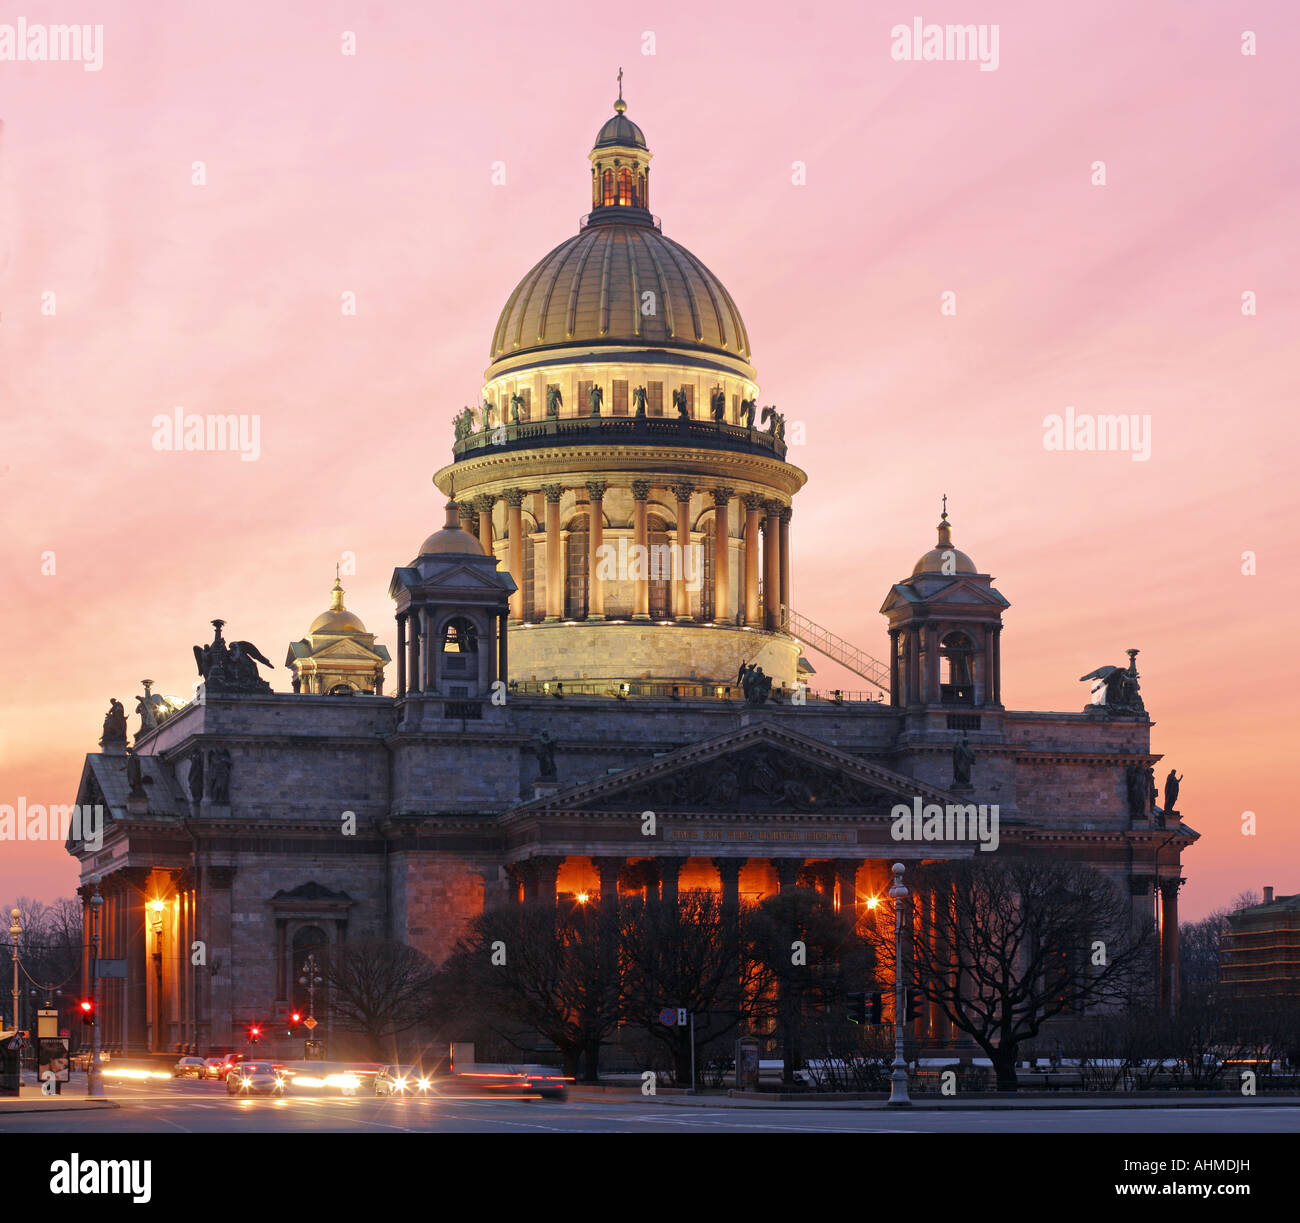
[[668, 1016], [111, 968], [47, 1023], [681, 1016], [309, 1023]]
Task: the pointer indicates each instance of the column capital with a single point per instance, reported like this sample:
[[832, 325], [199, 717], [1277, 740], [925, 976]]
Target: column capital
[[640, 490], [553, 492], [683, 491], [514, 496], [1169, 887], [753, 501], [773, 506], [484, 502], [721, 496], [729, 868], [465, 509], [787, 512], [596, 489]]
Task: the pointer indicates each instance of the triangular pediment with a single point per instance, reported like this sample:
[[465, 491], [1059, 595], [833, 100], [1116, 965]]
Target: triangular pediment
[[345, 649], [763, 768], [944, 592]]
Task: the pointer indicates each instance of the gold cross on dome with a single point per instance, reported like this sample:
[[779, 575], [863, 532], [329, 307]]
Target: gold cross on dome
[[620, 84], [945, 505]]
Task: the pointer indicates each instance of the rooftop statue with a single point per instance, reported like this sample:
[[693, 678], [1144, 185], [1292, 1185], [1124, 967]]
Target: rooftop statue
[[748, 407], [1116, 689], [231, 668], [679, 402], [638, 401], [718, 404], [554, 400], [594, 398], [114, 721], [963, 760]]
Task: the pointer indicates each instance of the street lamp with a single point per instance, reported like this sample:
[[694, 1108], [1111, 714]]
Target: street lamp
[[311, 979], [898, 1079], [15, 929], [95, 1075]]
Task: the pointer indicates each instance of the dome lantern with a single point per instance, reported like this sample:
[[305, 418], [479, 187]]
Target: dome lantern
[[620, 170]]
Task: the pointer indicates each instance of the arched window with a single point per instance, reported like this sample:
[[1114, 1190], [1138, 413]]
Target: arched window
[[459, 636], [661, 569], [956, 671], [625, 187], [608, 179], [575, 578]]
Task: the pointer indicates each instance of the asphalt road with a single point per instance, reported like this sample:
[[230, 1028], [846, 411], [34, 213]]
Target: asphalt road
[[187, 1106]]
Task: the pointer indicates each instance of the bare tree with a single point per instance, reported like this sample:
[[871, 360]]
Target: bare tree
[[692, 955], [378, 988], [1016, 944], [526, 970]]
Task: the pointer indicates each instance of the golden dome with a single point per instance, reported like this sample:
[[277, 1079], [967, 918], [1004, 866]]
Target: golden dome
[[338, 619], [451, 539], [943, 558], [588, 291]]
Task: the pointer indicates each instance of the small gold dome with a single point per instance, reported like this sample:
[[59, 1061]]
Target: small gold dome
[[338, 619], [943, 558], [452, 538]]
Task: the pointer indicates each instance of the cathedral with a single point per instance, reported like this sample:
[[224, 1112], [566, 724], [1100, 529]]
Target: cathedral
[[600, 629]]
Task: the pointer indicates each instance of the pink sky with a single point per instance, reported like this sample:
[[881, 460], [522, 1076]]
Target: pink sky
[[373, 174]]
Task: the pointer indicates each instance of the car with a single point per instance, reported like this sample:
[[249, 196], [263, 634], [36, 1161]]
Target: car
[[214, 1068], [401, 1080], [255, 1078], [189, 1068], [546, 1081]]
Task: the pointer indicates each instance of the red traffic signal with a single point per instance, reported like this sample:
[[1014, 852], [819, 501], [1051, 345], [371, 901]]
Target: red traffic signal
[[253, 1033], [296, 1017], [87, 1009]]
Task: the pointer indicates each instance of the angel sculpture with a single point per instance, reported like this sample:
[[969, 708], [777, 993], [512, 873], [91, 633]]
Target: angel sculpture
[[638, 401], [718, 404], [594, 398], [747, 409], [554, 401], [679, 402]]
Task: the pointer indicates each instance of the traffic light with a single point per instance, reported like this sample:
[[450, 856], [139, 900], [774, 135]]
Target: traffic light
[[87, 1008], [253, 1033], [295, 1018], [876, 1009], [857, 1008], [913, 1004]]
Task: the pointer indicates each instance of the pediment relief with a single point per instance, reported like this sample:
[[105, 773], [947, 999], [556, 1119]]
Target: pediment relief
[[757, 771]]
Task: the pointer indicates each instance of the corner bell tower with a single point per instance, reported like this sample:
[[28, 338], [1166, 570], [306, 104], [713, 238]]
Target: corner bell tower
[[945, 630]]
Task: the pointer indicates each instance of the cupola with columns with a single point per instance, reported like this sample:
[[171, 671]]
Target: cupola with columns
[[337, 657], [945, 629], [452, 601], [619, 466]]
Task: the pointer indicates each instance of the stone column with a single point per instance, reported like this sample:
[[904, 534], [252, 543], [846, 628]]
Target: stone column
[[729, 873], [670, 870], [539, 879], [608, 869], [772, 566], [413, 648], [932, 664], [401, 655], [787, 872], [787, 512], [995, 668], [465, 512], [753, 503], [913, 665], [554, 553], [515, 543], [1169, 944], [484, 506], [721, 556], [682, 596], [426, 650], [503, 655], [595, 541], [895, 697], [846, 874], [641, 544]]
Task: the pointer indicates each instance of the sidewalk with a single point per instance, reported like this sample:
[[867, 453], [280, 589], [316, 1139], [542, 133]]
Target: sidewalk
[[33, 1100], [876, 1103]]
